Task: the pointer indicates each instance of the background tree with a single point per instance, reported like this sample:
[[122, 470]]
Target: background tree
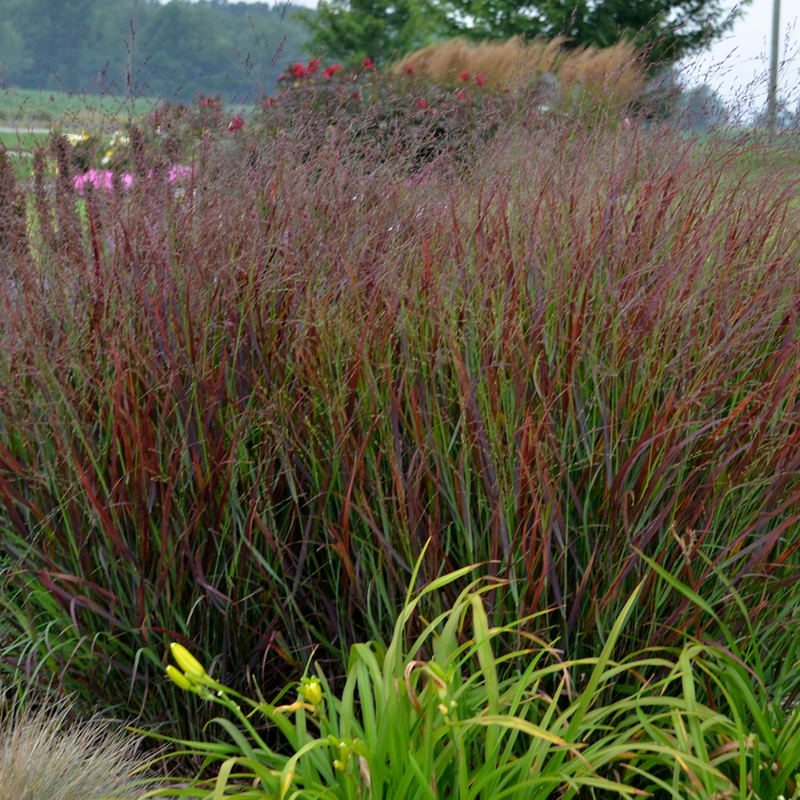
[[14, 58], [181, 48], [666, 29], [702, 109], [350, 30], [58, 38]]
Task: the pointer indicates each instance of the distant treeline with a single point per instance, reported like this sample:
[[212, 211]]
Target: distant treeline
[[178, 49]]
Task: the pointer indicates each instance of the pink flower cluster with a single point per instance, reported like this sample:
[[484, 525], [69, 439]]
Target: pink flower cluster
[[100, 179], [178, 171], [103, 178]]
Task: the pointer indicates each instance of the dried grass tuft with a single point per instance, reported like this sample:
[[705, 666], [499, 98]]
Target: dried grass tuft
[[45, 756]]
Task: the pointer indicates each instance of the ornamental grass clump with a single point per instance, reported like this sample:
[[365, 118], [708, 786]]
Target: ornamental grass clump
[[46, 755], [557, 73], [233, 408], [381, 121]]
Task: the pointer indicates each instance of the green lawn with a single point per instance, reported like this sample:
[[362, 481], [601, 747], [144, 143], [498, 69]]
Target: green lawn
[[30, 108], [22, 141]]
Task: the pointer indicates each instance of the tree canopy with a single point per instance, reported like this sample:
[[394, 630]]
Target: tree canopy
[[351, 30], [666, 30]]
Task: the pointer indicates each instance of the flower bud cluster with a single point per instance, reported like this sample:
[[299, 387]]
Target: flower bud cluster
[[194, 678]]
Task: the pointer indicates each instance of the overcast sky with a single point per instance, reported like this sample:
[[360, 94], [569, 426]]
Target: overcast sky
[[740, 63]]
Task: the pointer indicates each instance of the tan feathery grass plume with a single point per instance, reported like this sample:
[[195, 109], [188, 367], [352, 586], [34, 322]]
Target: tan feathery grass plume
[[515, 62]]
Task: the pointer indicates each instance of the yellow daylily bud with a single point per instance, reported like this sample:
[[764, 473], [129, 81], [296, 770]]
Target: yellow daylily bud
[[186, 661], [178, 677], [312, 691]]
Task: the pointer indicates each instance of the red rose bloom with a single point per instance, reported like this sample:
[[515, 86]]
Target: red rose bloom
[[460, 95], [298, 71], [236, 123], [313, 66], [480, 80], [409, 68], [422, 104], [464, 76], [328, 72], [368, 63]]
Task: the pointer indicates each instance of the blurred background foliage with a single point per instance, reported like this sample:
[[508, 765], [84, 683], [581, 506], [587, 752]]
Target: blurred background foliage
[[177, 49], [181, 48]]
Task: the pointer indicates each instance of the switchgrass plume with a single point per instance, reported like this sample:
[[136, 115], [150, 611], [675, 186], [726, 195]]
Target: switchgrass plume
[[235, 406]]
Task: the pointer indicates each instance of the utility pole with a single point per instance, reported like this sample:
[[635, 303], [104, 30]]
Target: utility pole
[[772, 99]]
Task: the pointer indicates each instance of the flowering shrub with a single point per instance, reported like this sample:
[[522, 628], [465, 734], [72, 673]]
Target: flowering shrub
[[96, 155], [400, 116], [404, 116], [177, 172]]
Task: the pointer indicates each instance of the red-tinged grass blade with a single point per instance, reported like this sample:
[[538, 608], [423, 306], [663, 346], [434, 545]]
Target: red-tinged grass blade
[[233, 416]]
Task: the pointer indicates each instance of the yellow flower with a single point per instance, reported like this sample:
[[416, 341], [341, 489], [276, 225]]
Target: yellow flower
[[292, 707], [179, 678], [187, 662], [312, 691]]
